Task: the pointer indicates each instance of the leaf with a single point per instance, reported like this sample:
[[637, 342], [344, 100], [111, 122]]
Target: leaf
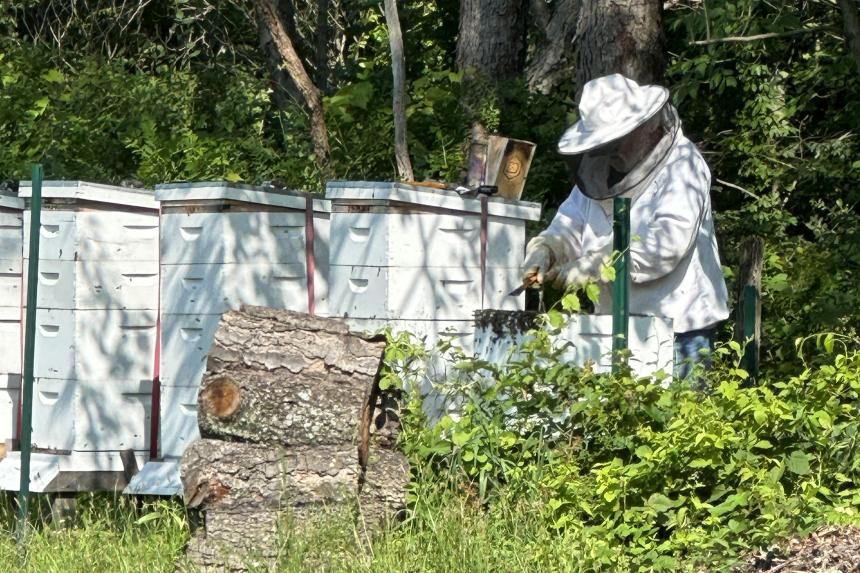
[[763, 445], [233, 177], [555, 318], [607, 273], [54, 76], [660, 503], [592, 291], [149, 517], [644, 452], [700, 463], [460, 437], [824, 420], [798, 463], [570, 302]]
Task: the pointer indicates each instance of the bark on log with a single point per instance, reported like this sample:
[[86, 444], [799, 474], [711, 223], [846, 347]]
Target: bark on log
[[304, 425], [383, 487], [245, 490], [279, 377]]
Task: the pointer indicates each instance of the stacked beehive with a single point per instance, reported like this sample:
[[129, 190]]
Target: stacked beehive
[[222, 246], [410, 258], [96, 321], [11, 266]]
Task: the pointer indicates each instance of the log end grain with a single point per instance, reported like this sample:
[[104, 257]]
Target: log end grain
[[220, 397]]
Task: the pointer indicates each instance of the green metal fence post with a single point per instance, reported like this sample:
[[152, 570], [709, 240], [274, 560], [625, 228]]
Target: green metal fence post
[[621, 286], [29, 355], [749, 361]]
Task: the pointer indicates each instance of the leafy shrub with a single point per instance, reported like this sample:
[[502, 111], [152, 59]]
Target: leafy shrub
[[667, 476]]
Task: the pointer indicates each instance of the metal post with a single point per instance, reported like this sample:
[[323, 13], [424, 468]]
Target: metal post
[[29, 356], [621, 286], [749, 362]]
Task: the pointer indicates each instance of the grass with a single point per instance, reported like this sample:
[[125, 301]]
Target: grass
[[119, 534], [110, 534]]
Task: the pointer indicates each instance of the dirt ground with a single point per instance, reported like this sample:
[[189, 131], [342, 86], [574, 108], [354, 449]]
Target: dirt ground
[[828, 550]]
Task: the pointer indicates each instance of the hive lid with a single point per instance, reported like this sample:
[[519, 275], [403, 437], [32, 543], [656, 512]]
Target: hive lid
[[215, 190], [84, 191], [348, 191], [9, 201]]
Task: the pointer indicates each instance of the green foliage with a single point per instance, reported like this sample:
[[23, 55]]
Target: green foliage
[[667, 477]]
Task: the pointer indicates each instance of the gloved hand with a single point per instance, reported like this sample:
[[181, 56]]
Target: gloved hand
[[542, 253], [577, 272]]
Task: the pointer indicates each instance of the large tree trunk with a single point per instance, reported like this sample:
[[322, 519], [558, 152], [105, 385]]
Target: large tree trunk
[[302, 425], [620, 36], [553, 61], [851, 18], [491, 41], [269, 21], [491, 50], [398, 70]]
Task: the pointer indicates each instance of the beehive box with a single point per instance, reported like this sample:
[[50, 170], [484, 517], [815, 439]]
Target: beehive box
[[410, 256], [11, 266], [224, 245], [587, 339], [96, 319]]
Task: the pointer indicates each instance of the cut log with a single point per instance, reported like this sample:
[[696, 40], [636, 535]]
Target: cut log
[[383, 487], [300, 425], [286, 378], [230, 476], [245, 490]]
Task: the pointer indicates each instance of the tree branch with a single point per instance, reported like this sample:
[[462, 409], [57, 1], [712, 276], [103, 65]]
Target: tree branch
[[267, 16], [757, 37]]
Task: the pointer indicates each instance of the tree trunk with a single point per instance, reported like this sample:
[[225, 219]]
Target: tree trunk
[[620, 36], [398, 70], [284, 90], [269, 19], [491, 50], [491, 40], [321, 58], [553, 62], [851, 19], [286, 378]]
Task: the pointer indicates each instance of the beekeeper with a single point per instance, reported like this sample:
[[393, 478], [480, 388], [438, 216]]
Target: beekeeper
[[628, 143]]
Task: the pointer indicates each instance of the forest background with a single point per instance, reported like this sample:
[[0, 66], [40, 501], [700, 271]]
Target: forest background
[[165, 90]]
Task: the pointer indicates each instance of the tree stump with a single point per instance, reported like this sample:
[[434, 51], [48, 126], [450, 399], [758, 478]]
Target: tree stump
[[292, 419]]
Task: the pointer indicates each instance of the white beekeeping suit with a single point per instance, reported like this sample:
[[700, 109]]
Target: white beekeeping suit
[[675, 265]]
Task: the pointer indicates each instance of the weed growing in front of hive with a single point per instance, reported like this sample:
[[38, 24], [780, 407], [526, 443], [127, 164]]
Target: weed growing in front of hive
[[663, 478]]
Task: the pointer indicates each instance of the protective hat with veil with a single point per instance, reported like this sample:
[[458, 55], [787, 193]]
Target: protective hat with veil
[[611, 107]]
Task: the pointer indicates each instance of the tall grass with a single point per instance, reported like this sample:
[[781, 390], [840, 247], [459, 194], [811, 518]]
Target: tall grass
[[449, 534], [108, 533]]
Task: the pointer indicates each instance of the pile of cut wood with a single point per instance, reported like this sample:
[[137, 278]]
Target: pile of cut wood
[[292, 420]]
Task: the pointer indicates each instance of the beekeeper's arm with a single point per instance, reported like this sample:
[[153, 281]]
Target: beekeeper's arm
[[669, 234], [558, 244]]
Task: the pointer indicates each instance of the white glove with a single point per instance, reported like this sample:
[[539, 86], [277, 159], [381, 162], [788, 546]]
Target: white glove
[[577, 272], [542, 253]]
